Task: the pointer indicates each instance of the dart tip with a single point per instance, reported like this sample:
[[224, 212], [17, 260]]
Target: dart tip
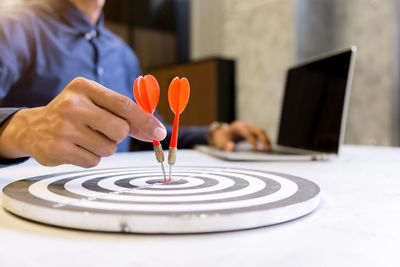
[[170, 170], [163, 170]]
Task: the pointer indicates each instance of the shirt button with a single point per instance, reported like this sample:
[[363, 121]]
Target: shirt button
[[100, 71], [90, 35]]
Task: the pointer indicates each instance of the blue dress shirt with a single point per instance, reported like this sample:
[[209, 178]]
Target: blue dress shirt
[[43, 48]]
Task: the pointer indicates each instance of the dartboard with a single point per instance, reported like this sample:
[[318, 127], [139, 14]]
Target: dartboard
[[198, 199]]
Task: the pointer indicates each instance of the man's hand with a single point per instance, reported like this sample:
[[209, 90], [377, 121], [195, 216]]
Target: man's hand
[[225, 137], [83, 123]]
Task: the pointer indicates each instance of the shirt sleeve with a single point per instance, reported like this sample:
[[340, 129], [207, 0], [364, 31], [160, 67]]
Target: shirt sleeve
[[188, 137], [14, 49], [5, 113], [10, 162]]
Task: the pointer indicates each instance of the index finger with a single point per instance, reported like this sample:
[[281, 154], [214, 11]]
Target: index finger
[[262, 137], [246, 133], [123, 107]]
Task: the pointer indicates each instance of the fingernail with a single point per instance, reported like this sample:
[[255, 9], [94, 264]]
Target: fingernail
[[159, 133]]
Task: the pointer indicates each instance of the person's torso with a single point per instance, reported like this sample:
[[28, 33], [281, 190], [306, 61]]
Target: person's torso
[[61, 50]]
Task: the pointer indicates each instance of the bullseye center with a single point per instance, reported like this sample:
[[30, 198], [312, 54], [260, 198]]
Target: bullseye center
[[167, 182]]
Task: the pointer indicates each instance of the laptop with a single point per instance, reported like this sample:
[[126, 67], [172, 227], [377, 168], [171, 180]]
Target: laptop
[[313, 115]]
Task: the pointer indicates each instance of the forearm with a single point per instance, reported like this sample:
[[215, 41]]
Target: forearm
[[191, 136], [12, 131], [188, 136]]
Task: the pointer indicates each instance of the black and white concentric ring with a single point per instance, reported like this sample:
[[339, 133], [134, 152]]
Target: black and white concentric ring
[[134, 194]]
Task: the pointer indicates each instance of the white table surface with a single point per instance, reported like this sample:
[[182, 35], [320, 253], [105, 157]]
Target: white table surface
[[356, 224]]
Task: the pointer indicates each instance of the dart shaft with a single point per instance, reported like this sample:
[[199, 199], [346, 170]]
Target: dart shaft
[[163, 170], [171, 159], [160, 156]]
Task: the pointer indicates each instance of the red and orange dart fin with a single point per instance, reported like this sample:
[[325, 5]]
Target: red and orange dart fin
[[178, 97], [147, 93], [136, 92], [150, 92]]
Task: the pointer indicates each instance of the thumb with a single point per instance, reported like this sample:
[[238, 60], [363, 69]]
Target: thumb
[[229, 146]]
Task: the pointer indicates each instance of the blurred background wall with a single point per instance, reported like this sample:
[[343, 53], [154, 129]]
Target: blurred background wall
[[259, 36], [266, 36], [372, 26]]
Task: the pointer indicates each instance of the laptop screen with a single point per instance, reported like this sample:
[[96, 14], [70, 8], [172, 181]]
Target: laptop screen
[[314, 102]]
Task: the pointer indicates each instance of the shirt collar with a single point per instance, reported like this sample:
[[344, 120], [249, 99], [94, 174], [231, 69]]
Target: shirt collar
[[72, 16]]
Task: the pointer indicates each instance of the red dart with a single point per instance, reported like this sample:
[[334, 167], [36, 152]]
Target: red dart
[[178, 97], [147, 93]]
